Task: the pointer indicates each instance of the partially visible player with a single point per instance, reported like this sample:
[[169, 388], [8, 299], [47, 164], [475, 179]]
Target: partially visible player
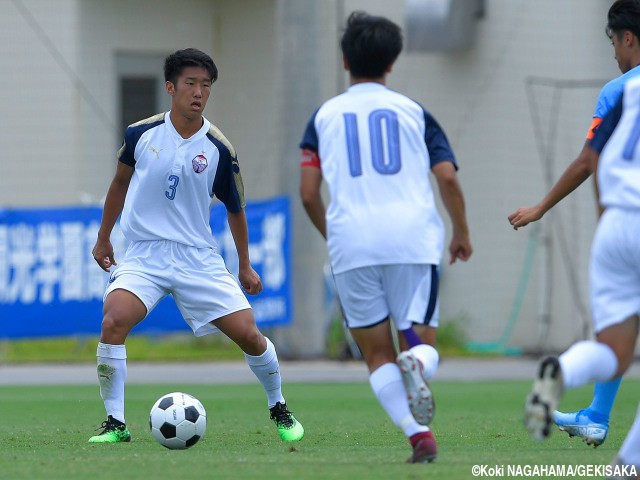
[[614, 275], [623, 28], [375, 148], [169, 168]]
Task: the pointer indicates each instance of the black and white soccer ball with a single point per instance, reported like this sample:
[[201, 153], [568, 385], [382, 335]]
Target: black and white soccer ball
[[178, 420]]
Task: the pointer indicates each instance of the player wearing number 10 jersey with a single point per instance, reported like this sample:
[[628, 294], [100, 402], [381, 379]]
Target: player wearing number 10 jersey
[[375, 149]]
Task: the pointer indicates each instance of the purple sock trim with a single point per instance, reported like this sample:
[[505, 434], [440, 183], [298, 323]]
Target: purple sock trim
[[411, 337]]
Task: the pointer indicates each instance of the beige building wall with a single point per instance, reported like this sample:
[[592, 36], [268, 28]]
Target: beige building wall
[[39, 105], [516, 107]]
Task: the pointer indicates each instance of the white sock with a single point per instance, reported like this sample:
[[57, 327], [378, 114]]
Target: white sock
[[429, 358], [386, 382], [267, 369], [112, 374], [629, 453], [586, 362]]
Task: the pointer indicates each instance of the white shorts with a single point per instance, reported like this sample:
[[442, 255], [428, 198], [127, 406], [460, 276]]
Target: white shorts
[[408, 293], [197, 278], [614, 272]]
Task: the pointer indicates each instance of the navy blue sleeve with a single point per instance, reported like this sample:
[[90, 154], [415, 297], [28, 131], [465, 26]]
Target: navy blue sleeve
[[227, 184], [125, 154], [310, 137], [132, 135], [437, 143], [606, 128]]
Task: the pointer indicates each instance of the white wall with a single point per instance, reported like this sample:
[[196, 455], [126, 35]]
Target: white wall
[[37, 43]]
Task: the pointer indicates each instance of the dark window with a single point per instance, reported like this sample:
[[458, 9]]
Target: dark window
[[139, 99]]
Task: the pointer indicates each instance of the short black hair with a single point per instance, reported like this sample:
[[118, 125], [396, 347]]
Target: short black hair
[[175, 63], [624, 15], [370, 44]]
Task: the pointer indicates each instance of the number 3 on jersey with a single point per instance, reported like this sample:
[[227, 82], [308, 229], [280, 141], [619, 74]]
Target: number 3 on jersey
[[385, 156], [173, 184]]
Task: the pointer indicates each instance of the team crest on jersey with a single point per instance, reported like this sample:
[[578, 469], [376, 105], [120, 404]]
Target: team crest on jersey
[[199, 163]]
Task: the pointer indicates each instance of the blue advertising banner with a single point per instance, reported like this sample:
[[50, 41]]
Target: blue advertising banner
[[51, 286]]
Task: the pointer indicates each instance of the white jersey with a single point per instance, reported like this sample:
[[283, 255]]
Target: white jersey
[[615, 257], [618, 139], [170, 194], [376, 150]]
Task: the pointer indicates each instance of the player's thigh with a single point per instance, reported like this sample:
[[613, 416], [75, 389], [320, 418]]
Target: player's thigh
[[204, 291], [130, 295], [362, 296], [412, 295], [143, 273], [614, 270]]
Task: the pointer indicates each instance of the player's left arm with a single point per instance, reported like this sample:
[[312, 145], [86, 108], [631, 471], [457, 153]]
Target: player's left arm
[[249, 278], [453, 199]]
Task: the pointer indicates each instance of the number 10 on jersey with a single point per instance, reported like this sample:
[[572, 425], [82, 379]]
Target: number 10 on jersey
[[385, 156]]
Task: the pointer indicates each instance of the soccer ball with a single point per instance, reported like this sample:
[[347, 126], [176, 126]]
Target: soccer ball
[[178, 420]]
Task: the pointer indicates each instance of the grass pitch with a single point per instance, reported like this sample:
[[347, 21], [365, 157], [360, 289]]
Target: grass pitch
[[44, 433]]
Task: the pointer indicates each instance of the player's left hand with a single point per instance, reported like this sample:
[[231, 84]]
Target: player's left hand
[[250, 280]]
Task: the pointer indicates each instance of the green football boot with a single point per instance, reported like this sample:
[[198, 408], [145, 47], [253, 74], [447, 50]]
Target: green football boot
[[289, 428], [114, 431]]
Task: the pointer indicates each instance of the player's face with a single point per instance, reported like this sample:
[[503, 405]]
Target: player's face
[[191, 91], [618, 40]]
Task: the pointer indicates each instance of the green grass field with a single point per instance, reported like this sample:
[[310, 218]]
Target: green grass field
[[44, 432]]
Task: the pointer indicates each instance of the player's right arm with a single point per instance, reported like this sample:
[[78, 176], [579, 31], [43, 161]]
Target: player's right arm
[[310, 194], [113, 205], [576, 173], [579, 170]]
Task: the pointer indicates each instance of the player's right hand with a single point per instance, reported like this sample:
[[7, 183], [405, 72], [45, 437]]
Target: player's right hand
[[103, 255], [524, 216]]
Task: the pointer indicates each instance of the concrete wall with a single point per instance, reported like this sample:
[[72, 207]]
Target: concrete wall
[[516, 106], [39, 106]]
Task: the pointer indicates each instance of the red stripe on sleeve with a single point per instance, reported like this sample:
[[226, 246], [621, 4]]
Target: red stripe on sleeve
[[310, 159]]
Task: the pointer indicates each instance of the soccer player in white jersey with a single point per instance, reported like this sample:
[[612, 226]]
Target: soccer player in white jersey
[[169, 168], [623, 28], [614, 276], [375, 148]]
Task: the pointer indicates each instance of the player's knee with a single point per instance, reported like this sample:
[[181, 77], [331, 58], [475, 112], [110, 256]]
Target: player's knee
[[114, 329], [252, 342]]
